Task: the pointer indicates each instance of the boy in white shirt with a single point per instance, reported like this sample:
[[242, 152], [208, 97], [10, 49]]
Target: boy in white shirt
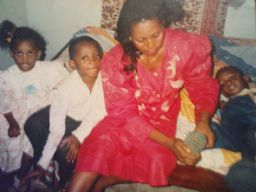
[[76, 109]]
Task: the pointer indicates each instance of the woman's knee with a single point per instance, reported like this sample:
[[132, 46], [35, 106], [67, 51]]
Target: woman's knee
[[82, 181]]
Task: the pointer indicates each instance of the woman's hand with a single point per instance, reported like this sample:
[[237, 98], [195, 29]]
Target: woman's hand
[[204, 128], [183, 153], [100, 31], [177, 146], [73, 145]]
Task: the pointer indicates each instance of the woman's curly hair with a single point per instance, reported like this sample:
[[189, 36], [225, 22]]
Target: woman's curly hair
[[133, 11]]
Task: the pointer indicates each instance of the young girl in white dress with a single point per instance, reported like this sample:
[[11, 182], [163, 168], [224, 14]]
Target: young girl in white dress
[[25, 88]]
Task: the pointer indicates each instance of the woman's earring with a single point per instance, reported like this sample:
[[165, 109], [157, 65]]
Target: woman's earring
[[130, 38]]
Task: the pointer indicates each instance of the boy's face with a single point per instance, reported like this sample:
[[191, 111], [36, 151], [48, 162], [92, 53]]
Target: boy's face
[[86, 60], [25, 55], [231, 83]]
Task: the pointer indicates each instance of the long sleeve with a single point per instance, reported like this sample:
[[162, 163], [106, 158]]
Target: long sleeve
[[58, 112], [203, 90], [119, 91]]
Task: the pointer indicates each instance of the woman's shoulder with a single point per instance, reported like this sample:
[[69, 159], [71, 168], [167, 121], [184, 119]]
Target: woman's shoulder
[[186, 37], [116, 51], [113, 58], [189, 43]]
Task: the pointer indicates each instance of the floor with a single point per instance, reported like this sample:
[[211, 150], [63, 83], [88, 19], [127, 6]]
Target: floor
[[145, 188]]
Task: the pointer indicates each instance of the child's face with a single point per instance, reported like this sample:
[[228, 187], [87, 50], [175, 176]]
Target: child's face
[[231, 83], [25, 55], [86, 60]]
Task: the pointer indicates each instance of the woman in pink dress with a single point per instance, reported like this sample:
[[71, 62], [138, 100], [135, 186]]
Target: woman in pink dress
[[142, 78]]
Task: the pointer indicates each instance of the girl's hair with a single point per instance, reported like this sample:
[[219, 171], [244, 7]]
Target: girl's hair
[[83, 39], [133, 11], [6, 30], [11, 35]]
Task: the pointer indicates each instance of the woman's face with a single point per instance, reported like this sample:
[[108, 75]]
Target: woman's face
[[148, 36]]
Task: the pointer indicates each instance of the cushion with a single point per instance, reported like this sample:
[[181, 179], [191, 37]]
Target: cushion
[[246, 52], [231, 53]]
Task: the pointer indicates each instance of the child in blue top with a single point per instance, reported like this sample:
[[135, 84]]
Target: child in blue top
[[238, 127]]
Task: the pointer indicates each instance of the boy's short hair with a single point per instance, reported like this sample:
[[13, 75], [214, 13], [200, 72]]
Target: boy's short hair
[[229, 69], [83, 39]]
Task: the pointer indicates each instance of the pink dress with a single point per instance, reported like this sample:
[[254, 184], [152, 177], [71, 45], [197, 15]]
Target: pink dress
[[138, 102]]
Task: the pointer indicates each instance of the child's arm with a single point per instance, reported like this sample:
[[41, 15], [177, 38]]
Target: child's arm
[[14, 128], [203, 126], [57, 126], [96, 112]]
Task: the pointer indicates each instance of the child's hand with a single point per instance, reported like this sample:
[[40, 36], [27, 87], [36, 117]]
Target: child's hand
[[221, 104], [36, 174], [14, 128], [14, 131], [204, 128], [73, 145], [184, 154]]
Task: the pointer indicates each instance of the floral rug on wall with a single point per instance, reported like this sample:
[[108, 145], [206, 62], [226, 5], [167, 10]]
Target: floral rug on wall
[[202, 16]]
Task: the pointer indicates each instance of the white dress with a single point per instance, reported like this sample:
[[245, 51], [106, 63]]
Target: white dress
[[23, 93]]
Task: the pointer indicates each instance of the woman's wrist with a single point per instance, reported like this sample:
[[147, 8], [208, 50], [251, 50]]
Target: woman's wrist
[[161, 138], [170, 143]]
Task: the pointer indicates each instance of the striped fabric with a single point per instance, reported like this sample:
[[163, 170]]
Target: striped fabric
[[187, 107]]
